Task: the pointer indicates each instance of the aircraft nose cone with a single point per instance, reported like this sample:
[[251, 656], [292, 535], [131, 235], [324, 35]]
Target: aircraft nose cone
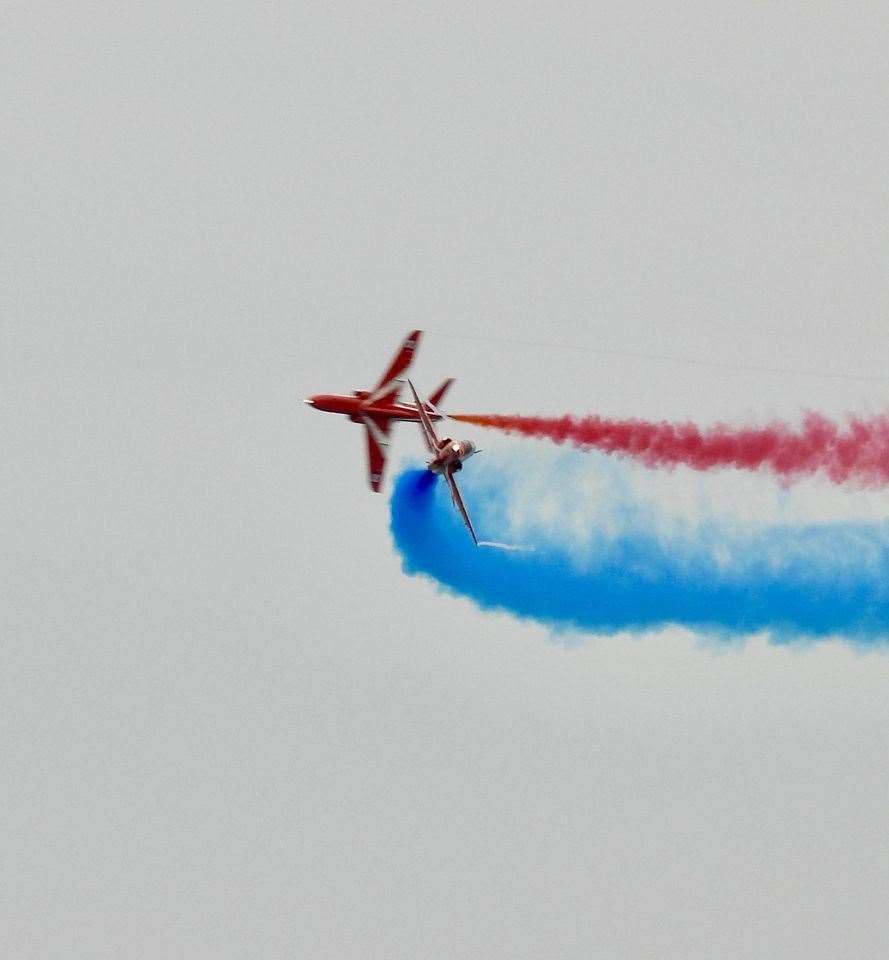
[[310, 401]]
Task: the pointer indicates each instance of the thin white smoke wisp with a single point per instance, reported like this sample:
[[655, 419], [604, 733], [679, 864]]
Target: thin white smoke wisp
[[668, 358], [513, 547]]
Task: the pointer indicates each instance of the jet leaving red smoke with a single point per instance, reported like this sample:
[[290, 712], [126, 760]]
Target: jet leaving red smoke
[[857, 451]]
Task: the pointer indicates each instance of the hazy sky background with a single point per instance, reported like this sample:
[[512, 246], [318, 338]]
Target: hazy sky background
[[230, 726]]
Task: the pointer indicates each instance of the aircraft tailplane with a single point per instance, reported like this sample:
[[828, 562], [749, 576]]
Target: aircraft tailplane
[[437, 396]]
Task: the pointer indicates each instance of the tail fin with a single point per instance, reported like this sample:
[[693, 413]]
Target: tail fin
[[436, 397]]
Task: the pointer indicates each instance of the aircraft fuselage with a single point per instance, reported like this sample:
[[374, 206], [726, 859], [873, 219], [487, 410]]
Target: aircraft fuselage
[[450, 455], [355, 409]]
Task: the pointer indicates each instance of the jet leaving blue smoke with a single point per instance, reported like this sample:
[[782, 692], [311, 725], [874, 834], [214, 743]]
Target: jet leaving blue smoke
[[796, 583]]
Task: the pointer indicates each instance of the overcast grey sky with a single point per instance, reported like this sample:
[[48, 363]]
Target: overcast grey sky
[[230, 726]]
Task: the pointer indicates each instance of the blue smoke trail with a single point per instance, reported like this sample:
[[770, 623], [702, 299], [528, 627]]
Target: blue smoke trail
[[795, 582]]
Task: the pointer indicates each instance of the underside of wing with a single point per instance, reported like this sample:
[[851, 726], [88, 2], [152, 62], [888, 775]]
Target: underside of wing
[[377, 448], [458, 503]]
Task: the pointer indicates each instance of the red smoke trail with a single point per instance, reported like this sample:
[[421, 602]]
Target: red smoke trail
[[857, 451]]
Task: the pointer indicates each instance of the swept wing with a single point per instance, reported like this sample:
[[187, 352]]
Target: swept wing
[[386, 391], [458, 503], [425, 423], [377, 448]]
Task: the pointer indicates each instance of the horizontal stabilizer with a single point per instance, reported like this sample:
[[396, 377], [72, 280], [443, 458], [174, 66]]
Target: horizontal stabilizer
[[437, 396]]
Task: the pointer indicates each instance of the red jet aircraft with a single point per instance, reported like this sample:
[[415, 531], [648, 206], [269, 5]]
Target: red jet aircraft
[[447, 458], [376, 409]]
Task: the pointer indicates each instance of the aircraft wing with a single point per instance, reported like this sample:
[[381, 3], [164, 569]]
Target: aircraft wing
[[387, 389], [458, 503], [425, 423], [377, 448]]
